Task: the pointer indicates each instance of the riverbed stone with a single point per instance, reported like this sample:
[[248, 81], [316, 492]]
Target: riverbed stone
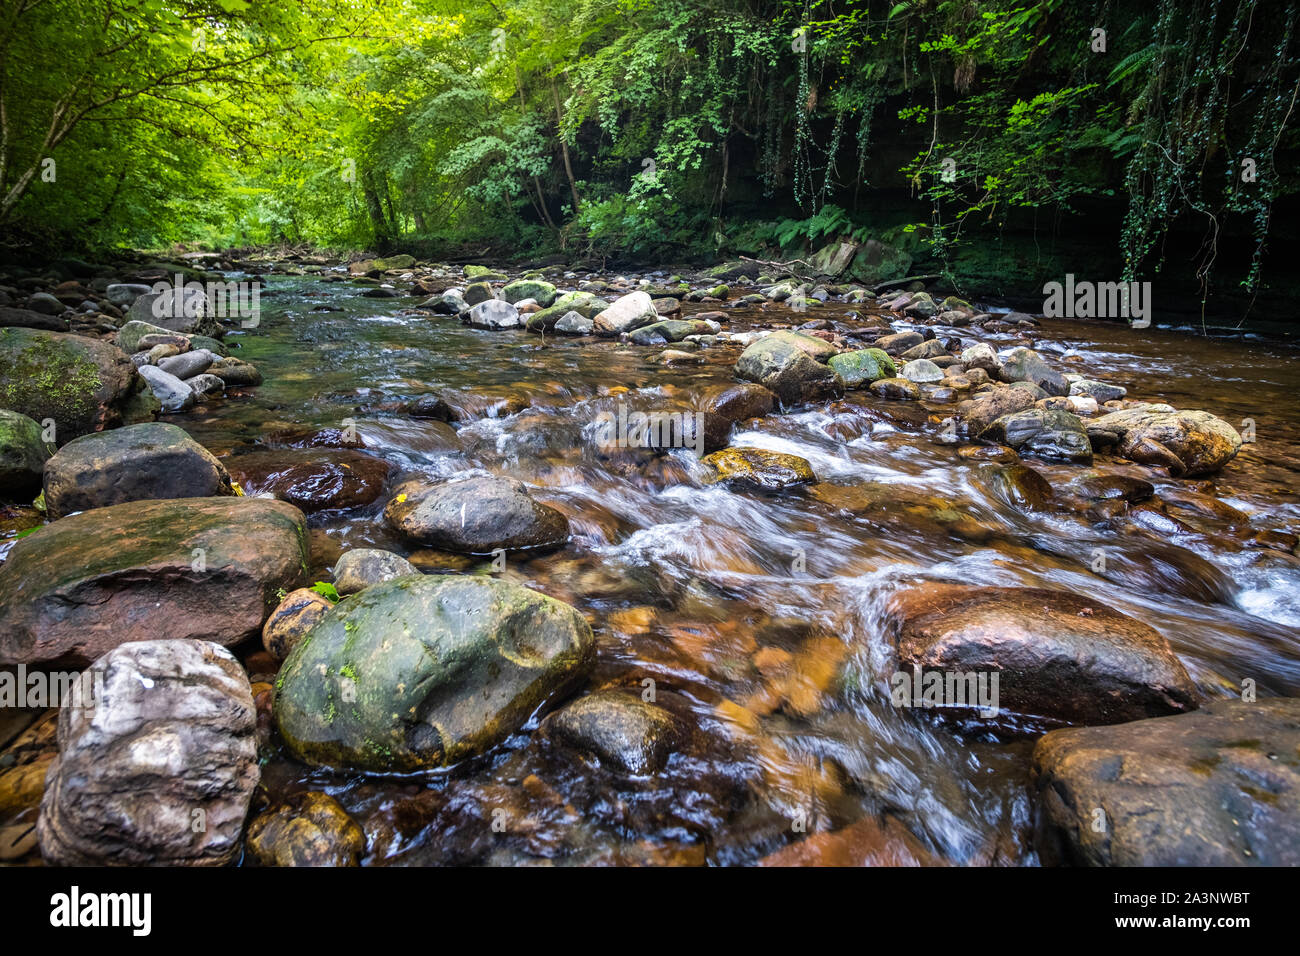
[[621, 729], [83, 384], [1220, 787], [1053, 435], [790, 364], [738, 402], [626, 314], [23, 452], [861, 367], [759, 468], [541, 292], [586, 304], [188, 364], [1101, 391], [982, 411], [494, 314], [192, 314], [422, 672], [201, 568], [146, 461], [1026, 365], [307, 829], [921, 371], [672, 330], [169, 742], [360, 568], [575, 323], [475, 516], [1190, 443], [1061, 657], [298, 613], [313, 479], [173, 394], [896, 389]]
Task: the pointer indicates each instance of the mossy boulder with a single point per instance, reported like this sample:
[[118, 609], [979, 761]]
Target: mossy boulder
[[543, 293], [791, 364], [423, 672], [84, 385], [22, 456], [862, 367], [585, 304]]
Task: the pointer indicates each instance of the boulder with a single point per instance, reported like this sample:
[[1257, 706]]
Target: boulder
[[1220, 787], [626, 313], [672, 330], [422, 672], [622, 730], [543, 293], [1026, 365], [361, 568], [585, 304], [85, 385], [201, 568], [983, 411], [475, 516], [1190, 444], [494, 314], [313, 479], [862, 367], [188, 364], [982, 356], [790, 364], [22, 456], [737, 402], [161, 768], [896, 389], [307, 829], [477, 292], [236, 372], [759, 468], [1047, 434], [575, 323], [136, 463], [298, 613], [190, 313], [448, 303], [27, 319], [921, 371], [1060, 657], [1101, 391]]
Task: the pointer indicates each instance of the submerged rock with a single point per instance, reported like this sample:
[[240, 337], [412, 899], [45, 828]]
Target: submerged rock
[[621, 729], [313, 479], [161, 769], [308, 829], [738, 402], [1058, 655], [202, 568], [1220, 787], [422, 672], [475, 516], [865, 843], [147, 461]]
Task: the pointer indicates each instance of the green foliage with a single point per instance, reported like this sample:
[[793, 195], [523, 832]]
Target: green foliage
[[643, 127], [326, 590]]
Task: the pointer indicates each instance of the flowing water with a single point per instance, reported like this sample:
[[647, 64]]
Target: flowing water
[[759, 617]]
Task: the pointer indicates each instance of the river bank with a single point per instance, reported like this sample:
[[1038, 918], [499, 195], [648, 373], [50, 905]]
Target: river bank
[[949, 504]]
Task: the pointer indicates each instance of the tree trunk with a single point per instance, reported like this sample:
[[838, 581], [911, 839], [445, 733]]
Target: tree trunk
[[564, 147]]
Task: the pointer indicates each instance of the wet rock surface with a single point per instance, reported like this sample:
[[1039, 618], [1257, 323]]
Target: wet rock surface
[[1220, 787], [161, 769]]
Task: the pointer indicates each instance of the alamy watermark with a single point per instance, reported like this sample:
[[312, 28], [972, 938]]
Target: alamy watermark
[[190, 300], [1098, 300], [932, 688], [82, 689], [650, 430]]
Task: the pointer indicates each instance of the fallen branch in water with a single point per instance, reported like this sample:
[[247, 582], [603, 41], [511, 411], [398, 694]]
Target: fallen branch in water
[[907, 280]]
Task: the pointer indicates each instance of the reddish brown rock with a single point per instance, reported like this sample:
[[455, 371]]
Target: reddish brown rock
[[312, 479]]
